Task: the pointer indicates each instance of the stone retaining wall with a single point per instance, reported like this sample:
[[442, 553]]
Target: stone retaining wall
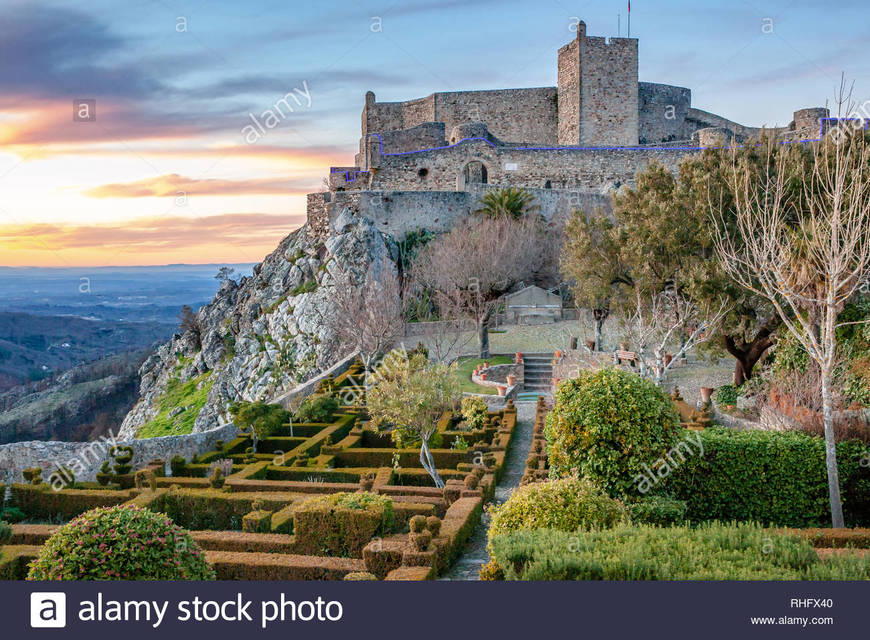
[[85, 458]]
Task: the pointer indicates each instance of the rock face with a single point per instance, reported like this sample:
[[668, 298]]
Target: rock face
[[265, 335]]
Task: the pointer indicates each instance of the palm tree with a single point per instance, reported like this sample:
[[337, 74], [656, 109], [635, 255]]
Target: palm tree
[[511, 202]]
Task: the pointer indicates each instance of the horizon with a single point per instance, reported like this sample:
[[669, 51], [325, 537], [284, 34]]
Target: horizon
[[165, 175]]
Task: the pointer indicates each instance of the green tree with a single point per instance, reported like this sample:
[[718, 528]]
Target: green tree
[[261, 419], [410, 396], [660, 237]]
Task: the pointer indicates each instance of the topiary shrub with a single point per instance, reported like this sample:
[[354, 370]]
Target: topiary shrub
[[178, 465], [658, 510], [474, 412], [317, 409], [341, 524], [417, 524], [566, 505], [360, 576], [123, 456], [608, 425], [120, 543]]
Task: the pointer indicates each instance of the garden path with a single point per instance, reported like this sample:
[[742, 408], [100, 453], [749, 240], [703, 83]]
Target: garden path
[[474, 556]]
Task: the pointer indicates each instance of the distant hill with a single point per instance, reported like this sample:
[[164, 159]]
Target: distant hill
[[81, 404], [33, 347]]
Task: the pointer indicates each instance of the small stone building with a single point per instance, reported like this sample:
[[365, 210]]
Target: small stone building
[[532, 305]]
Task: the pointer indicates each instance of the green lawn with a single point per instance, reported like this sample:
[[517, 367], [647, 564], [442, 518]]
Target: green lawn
[[467, 365]]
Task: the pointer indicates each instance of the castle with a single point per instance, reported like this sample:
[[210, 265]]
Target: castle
[[422, 163]]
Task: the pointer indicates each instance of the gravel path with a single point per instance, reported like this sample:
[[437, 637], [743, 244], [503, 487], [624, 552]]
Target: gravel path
[[474, 556]]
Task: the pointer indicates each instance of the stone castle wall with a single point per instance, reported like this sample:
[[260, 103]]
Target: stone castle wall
[[398, 213], [662, 113], [588, 169], [608, 92], [511, 115]]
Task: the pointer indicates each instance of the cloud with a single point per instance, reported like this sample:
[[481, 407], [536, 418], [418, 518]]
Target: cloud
[[52, 50], [153, 235], [171, 184]]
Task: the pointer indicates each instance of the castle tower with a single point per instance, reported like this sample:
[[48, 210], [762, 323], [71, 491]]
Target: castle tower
[[598, 91]]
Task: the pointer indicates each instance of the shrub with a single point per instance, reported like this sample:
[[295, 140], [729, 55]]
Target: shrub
[[658, 510], [355, 576], [727, 395], [771, 477], [608, 424], [710, 552], [144, 546], [12, 514], [566, 505], [5, 532], [341, 524], [317, 409], [474, 412]]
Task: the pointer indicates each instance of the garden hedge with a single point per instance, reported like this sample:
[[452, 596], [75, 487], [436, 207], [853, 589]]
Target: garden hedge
[[341, 524], [771, 477], [41, 502], [709, 552]]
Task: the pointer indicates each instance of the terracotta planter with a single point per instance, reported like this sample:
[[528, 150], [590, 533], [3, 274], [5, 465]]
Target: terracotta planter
[[558, 355], [511, 380], [706, 394], [518, 358], [502, 390], [483, 376], [590, 344]]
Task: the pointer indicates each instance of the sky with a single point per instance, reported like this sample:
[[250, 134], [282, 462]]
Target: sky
[[159, 168]]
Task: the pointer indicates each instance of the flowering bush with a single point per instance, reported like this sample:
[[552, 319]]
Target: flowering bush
[[120, 543]]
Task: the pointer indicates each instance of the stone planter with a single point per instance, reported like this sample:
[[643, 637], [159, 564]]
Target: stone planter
[[706, 394]]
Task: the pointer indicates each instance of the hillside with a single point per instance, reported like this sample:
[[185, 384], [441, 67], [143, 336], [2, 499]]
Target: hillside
[[33, 347], [260, 337], [81, 404]]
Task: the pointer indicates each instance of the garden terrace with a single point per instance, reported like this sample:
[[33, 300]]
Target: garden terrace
[[315, 501]]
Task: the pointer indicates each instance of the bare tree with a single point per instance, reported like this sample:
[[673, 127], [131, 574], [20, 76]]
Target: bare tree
[[366, 315], [668, 319], [478, 261], [447, 322], [189, 323], [808, 254]]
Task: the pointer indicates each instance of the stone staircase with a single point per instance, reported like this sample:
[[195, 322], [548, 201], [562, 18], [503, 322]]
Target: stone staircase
[[538, 373]]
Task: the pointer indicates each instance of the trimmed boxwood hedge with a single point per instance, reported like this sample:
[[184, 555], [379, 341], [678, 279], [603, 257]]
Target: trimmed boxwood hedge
[[711, 551], [772, 477]]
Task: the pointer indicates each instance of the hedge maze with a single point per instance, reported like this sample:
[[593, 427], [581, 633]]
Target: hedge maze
[[322, 501]]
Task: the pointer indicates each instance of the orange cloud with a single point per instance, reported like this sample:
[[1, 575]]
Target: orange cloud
[[234, 237], [172, 184]]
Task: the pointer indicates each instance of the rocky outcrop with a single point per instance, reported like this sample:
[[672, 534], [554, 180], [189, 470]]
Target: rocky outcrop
[[263, 336]]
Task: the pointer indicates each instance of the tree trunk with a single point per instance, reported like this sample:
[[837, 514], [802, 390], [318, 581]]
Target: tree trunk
[[831, 451], [748, 354], [483, 336], [599, 315], [429, 464]]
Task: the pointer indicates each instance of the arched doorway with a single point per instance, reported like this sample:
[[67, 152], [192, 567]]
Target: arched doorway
[[474, 173]]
